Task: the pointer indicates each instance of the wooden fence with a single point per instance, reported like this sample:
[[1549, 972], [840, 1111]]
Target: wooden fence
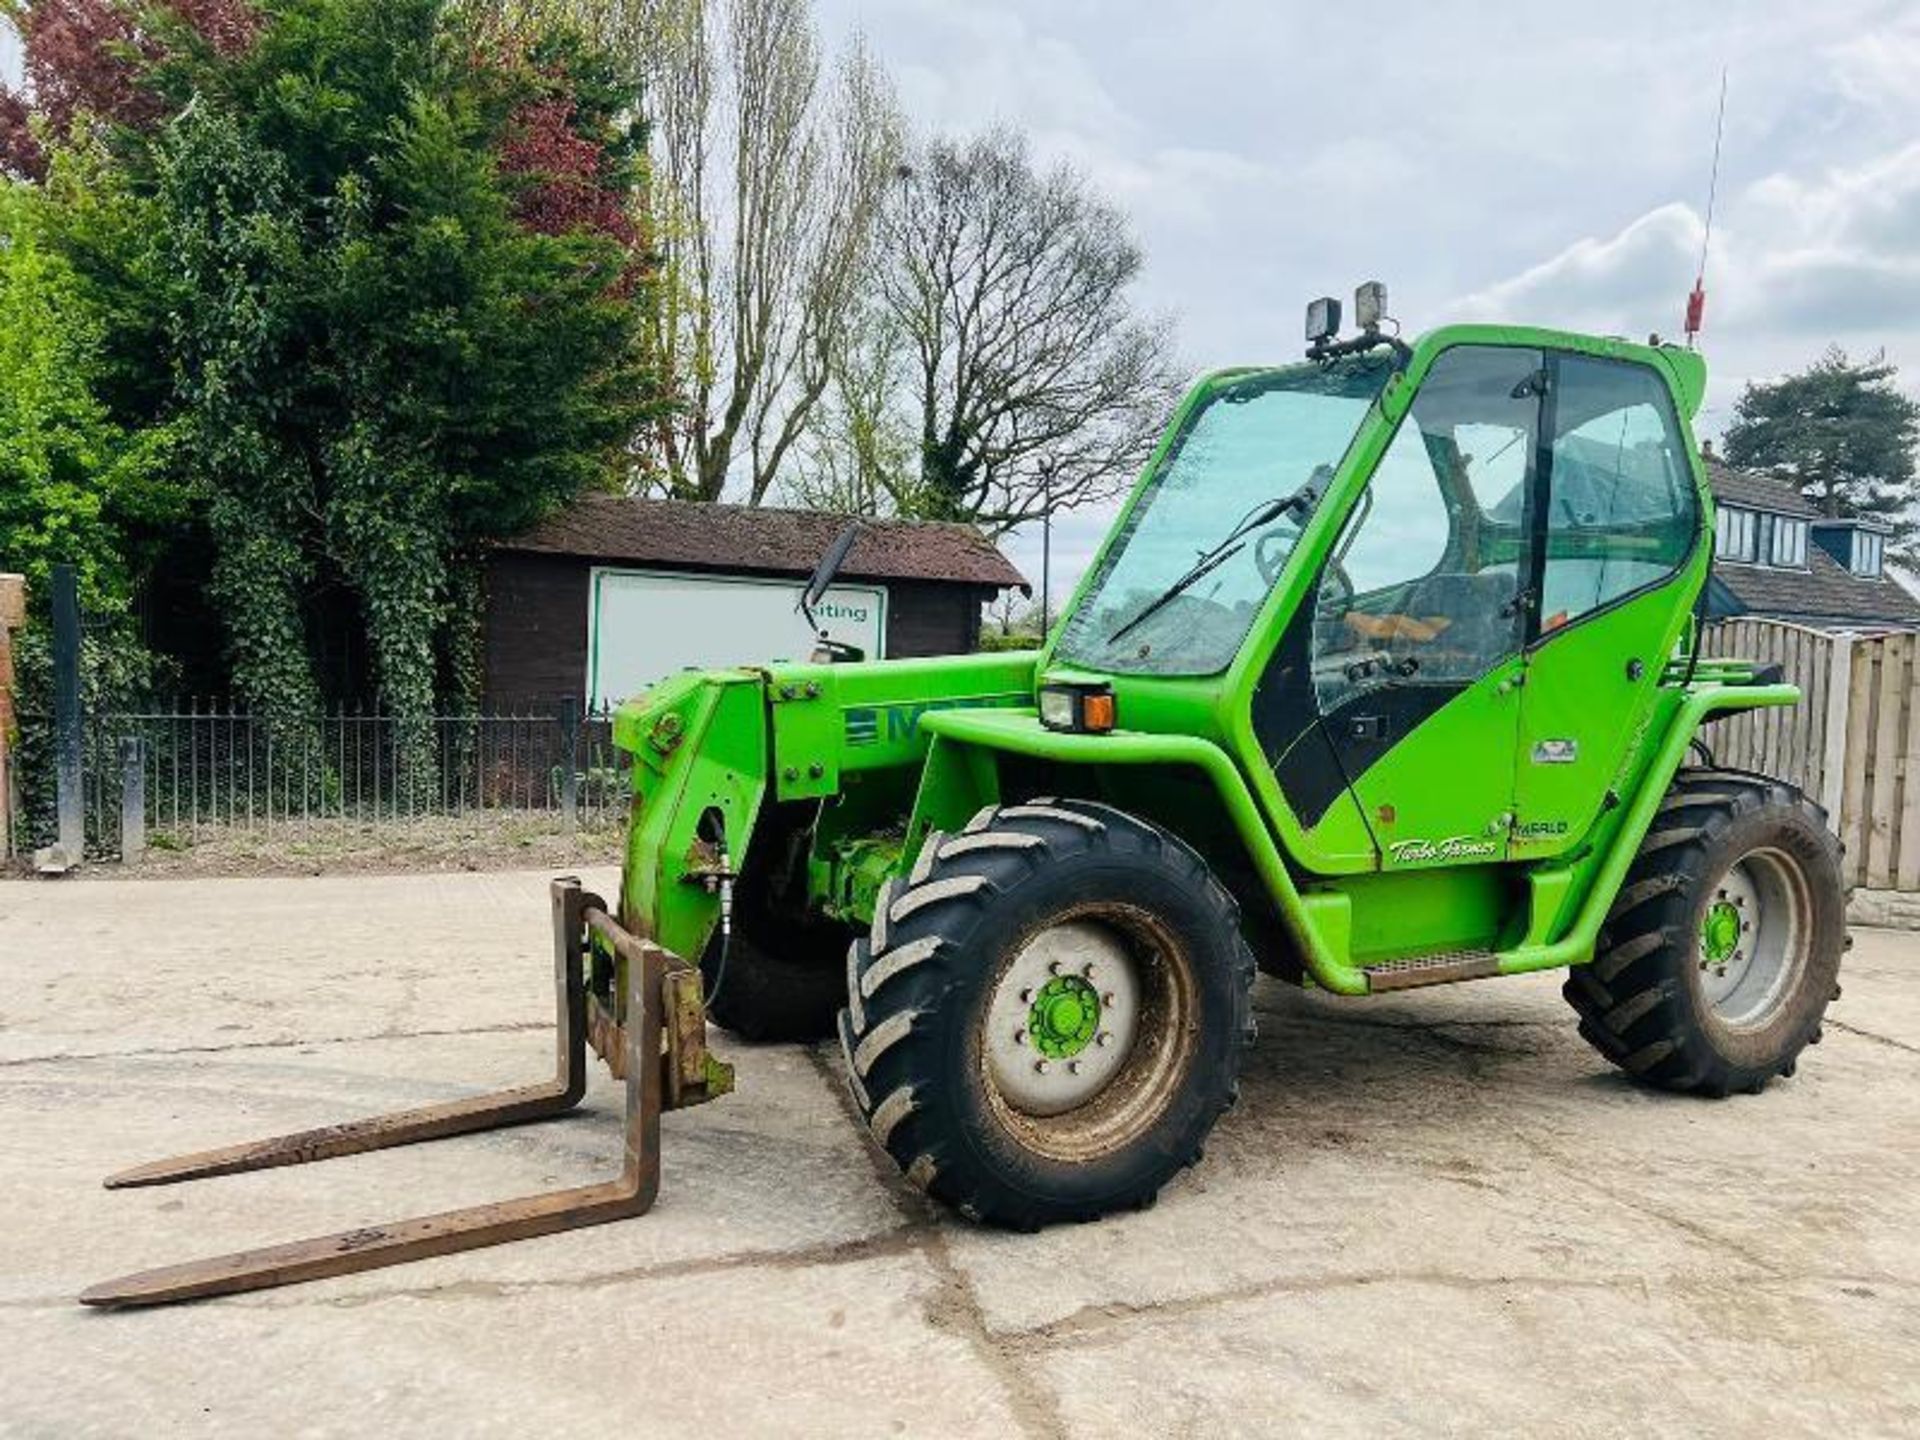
[[1851, 743]]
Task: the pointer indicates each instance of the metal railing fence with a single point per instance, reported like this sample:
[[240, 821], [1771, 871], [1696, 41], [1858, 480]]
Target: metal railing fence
[[207, 766]]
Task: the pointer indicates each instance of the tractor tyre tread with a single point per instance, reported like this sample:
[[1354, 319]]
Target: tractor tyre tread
[[1639, 1000], [925, 956]]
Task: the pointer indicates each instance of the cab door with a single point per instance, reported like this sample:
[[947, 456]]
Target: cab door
[[1414, 644], [1619, 519]]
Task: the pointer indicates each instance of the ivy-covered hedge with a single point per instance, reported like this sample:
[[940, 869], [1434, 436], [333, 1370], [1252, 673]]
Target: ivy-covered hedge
[[343, 290]]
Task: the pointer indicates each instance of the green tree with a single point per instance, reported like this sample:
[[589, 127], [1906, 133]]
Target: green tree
[[1843, 434], [74, 485], [377, 269]]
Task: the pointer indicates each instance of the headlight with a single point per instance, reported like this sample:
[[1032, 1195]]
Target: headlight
[[1077, 707]]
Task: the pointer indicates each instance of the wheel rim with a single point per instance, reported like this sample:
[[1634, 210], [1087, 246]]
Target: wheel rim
[[1752, 939], [1086, 1032]]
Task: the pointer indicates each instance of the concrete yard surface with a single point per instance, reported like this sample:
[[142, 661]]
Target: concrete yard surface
[[1433, 1213]]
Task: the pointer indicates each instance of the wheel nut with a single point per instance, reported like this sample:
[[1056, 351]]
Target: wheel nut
[[1040, 1067], [1105, 1037], [1053, 967], [1073, 1067], [1026, 997], [1107, 999], [1087, 970], [1019, 1037]]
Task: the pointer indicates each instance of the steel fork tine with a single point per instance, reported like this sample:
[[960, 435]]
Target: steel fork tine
[[374, 1247], [429, 1122]]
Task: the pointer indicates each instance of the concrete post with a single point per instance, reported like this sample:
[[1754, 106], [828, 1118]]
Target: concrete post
[[570, 773], [133, 799]]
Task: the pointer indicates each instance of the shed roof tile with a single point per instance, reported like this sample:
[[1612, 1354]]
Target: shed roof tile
[[741, 537]]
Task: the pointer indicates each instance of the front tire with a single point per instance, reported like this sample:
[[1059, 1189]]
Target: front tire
[[1048, 1015], [1723, 948]]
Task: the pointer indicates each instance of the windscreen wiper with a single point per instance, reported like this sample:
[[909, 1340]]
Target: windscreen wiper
[[1303, 500]]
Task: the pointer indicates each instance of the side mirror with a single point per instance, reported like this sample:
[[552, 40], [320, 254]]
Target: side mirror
[[817, 585], [828, 567]]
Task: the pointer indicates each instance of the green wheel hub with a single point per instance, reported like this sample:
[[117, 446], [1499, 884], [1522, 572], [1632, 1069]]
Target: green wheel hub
[[1720, 932], [1064, 1018]]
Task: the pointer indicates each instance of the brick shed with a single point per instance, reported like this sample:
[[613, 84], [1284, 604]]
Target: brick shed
[[606, 596]]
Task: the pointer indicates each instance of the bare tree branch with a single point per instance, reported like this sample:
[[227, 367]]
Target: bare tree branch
[[1010, 288], [769, 178]]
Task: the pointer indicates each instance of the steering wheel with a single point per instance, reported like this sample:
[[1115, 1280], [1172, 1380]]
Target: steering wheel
[[1270, 554]]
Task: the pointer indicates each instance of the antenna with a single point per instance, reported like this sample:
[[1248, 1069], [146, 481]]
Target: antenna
[[1697, 301]]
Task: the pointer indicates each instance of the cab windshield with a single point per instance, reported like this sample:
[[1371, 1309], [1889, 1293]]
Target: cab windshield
[[1182, 581]]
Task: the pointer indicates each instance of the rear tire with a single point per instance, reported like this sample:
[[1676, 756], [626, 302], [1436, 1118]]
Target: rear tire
[[1048, 1015], [1723, 948]]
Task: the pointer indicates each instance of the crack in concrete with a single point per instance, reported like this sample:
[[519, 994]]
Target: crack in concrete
[[1870, 1035], [954, 1308], [1100, 1321], [1693, 1229], [505, 1028], [1097, 1319], [836, 1252], [804, 1257], [1088, 1319]]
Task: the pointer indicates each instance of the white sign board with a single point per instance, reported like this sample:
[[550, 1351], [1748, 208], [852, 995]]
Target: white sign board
[[643, 625]]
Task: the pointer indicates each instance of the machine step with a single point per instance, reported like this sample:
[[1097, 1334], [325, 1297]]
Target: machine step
[[1441, 969]]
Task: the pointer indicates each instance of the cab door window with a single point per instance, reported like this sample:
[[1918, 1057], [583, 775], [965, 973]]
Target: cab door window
[[1621, 509], [1424, 586]]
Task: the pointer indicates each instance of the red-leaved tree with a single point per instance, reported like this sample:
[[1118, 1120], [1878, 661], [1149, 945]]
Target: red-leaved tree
[[94, 57], [564, 185]]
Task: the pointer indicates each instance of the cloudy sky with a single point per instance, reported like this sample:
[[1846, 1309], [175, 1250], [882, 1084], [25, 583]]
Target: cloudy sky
[[1546, 163]]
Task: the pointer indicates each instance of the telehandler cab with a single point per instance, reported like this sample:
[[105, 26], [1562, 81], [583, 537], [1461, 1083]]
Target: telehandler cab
[[1387, 675]]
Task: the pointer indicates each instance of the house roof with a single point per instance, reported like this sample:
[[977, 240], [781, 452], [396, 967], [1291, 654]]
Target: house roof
[[1825, 593], [685, 534], [1757, 491]]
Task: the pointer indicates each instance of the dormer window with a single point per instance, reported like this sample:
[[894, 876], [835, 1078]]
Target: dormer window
[[1868, 551], [1759, 537], [1859, 545]]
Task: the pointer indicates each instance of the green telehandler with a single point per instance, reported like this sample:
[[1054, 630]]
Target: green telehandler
[[1387, 675]]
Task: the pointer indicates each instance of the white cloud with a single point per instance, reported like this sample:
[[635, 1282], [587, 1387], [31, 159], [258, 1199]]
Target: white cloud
[[1875, 67], [1799, 260], [1629, 283]]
